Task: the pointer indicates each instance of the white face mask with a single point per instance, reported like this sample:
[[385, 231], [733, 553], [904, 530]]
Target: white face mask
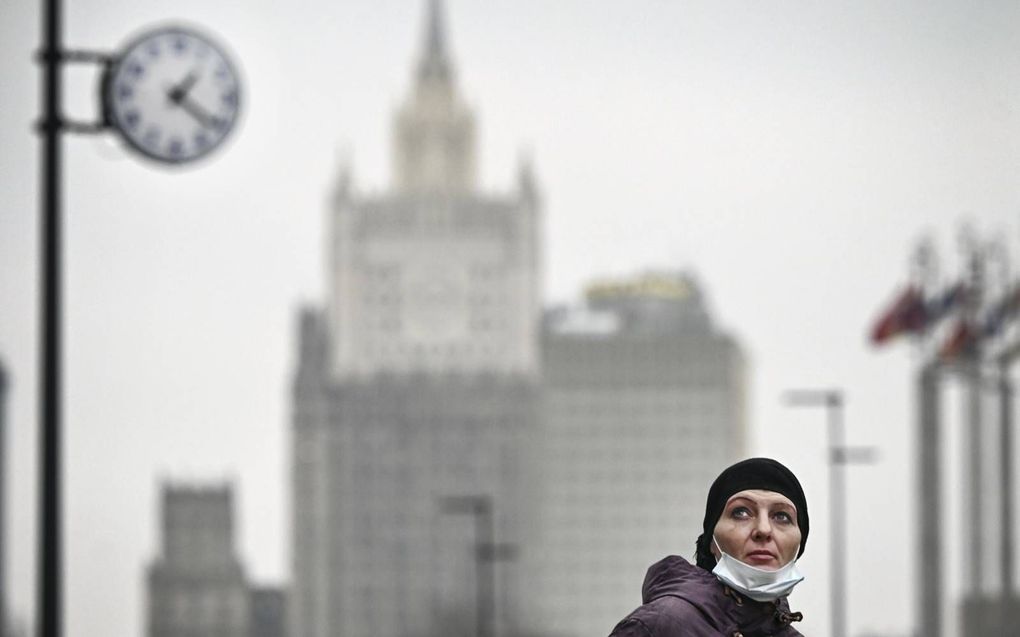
[[757, 583]]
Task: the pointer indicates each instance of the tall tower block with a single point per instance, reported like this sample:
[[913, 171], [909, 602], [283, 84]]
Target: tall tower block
[[416, 381]]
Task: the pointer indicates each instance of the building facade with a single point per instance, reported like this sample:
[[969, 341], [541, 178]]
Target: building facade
[[643, 406], [197, 586], [416, 381]]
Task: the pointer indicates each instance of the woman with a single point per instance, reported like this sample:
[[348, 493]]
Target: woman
[[755, 529]]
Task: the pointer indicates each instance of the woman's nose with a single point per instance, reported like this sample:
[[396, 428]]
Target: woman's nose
[[763, 526]]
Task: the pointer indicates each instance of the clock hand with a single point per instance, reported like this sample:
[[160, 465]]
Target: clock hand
[[202, 116]]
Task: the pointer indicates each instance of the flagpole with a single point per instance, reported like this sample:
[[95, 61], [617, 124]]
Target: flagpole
[[972, 452], [993, 325], [912, 314], [967, 354], [1006, 471], [929, 484]]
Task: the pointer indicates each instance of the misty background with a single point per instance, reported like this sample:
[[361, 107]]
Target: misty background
[[789, 155]]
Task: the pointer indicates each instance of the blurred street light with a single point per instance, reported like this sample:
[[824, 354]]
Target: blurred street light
[[486, 552], [839, 454]]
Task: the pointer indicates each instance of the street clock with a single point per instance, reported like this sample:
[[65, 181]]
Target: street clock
[[172, 94]]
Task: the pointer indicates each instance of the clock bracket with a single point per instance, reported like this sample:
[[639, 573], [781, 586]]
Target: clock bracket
[[76, 56]]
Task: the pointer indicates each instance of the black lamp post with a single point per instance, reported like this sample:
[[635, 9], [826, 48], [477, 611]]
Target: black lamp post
[[50, 544]]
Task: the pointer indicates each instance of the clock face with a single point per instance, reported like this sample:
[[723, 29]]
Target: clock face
[[172, 94]]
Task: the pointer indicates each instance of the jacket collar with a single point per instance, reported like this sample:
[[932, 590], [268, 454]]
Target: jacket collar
[[674, 576]]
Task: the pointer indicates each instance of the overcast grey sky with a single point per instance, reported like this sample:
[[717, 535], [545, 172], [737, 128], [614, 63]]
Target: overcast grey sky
[[788, 153]]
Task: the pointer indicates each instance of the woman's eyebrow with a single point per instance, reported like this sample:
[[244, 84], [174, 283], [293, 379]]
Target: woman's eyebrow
[[743, 498], [773, 504]]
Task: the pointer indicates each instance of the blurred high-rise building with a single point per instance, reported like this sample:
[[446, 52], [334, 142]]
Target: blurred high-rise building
[[197, 584], [644, 405], [417, 381]]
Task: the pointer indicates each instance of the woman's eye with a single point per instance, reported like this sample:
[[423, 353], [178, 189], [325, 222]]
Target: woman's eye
[[784, 517], [741, 512]]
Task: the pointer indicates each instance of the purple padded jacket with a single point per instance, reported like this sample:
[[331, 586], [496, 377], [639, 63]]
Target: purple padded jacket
[[680, 599]]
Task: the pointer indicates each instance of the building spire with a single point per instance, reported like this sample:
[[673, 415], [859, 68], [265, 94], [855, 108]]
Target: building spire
[[435, 63], [434, 130]]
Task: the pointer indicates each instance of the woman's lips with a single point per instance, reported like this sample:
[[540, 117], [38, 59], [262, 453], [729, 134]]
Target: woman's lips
[[760, 556]]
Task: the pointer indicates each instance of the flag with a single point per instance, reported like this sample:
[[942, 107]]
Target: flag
[[1001, 311], [960, 341], [907, 314], [941, 305]]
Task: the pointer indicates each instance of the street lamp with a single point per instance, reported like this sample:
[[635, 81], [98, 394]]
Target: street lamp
[[839, 454], [487, 553]]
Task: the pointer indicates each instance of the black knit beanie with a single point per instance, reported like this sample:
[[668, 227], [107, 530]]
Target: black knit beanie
[[754, 473]]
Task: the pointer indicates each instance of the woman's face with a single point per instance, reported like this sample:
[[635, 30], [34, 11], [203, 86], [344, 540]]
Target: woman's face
[[758, 528]]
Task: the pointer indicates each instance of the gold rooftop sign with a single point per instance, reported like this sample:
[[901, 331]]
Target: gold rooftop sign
[[653, 286]]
